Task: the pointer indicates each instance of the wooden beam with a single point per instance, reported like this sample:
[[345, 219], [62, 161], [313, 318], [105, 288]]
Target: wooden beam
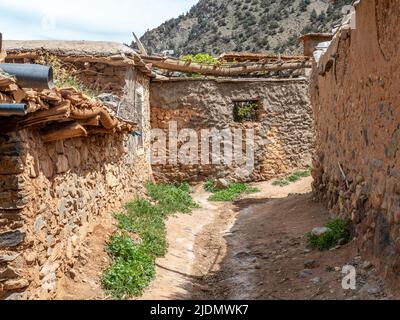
[[211, 70], [140, 45], [64, 132]]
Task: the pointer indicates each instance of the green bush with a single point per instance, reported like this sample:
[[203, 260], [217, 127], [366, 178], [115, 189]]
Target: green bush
[[339, 230], [232, 192], [134, 261], [200, 58], [296, 176]]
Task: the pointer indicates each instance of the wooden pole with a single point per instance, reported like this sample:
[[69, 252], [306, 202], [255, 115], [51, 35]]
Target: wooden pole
[[210, 70]]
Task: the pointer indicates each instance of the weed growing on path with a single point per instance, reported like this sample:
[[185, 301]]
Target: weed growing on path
[[296, 176], [339, 230], [231, 193], [141, 238]]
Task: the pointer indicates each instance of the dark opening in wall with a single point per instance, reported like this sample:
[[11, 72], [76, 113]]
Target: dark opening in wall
[[246, 111]]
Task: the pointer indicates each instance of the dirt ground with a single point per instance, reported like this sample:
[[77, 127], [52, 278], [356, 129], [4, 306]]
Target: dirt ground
[[254, 248]]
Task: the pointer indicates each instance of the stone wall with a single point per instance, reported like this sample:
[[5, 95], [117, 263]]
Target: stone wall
[[355, 96], [52, 194], [283, 129]]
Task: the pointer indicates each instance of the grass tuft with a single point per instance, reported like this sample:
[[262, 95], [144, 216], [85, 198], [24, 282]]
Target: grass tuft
[[231, 193], [339, 230], [133, 268], [296, 176]]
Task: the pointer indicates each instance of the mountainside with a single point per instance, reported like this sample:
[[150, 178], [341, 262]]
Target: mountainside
[[216, 26]]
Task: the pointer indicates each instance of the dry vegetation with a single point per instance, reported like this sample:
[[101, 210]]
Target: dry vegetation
[[217, 26]]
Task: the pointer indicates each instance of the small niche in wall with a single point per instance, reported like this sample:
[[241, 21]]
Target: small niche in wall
[[246, 111]]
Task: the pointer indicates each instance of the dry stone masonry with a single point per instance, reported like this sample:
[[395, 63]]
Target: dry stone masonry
[[355, 96], [52, 191], [283, 128]]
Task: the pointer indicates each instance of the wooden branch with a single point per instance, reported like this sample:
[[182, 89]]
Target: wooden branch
[[64, 132], [210, 70], [140, 45]]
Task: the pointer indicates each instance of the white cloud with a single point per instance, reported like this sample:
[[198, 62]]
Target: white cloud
[[85, 19]]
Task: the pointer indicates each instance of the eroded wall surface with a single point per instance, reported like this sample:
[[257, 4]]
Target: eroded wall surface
[[52, 194], [356, 104], [283, 131]]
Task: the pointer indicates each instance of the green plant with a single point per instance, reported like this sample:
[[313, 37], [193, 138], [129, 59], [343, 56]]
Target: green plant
[[200, 58], [245, 111], [209, 186], [232, 192], [281, 183], [141, 238], [329, 269], [296, 176], [339, 230]]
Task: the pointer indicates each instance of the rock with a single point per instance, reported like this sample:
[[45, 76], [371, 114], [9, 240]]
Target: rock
[[370, 289], [48, 269], [316, 280], [39, 224], [320, 231], [11, 239], [17, 284], [366, 265], [8, 273], [311, 264], [49, 282], [62, 164], [374, 291], [305, 273], [6, 259], [221, 184], [72, 274], [242, 254], [15, 297]]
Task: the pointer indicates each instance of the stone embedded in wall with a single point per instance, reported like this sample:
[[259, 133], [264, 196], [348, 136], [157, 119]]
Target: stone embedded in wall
[[12, 182], [11, 239], [13, 200], [356, 167], [61, 188], [11, 165]]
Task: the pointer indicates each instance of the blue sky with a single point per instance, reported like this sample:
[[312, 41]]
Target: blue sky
[[106, 20]]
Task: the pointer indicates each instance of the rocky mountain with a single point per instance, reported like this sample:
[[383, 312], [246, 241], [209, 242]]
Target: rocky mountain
[[216, 26]]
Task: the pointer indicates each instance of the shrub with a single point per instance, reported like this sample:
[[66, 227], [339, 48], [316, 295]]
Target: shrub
[[338, 230], [296, 176], [231, 193], [134, 261]]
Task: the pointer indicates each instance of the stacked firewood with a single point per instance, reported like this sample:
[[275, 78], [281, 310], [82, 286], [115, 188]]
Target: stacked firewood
[[61, 113]]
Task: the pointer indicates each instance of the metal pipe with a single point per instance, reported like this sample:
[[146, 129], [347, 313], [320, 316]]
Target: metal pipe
[[13, 109], [30, 75]]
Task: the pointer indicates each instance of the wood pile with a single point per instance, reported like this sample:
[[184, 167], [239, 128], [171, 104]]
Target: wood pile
[[221, 70], [60, 113]]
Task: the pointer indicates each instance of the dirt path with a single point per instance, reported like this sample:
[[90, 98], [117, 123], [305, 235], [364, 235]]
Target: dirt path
[[254, 248]]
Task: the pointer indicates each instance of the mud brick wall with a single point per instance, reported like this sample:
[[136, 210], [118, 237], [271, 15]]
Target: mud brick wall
[[101, 76], [52, 194], [357, 114], [283, 130]]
